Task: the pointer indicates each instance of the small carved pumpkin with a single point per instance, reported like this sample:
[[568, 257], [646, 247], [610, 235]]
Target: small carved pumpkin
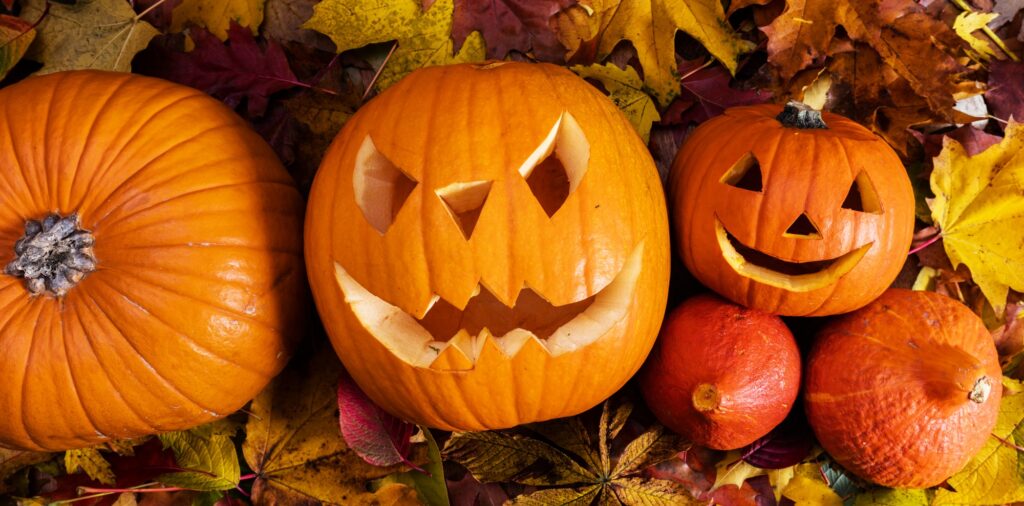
[[904, 391], [789, 214], [488, 246], [153, 260]]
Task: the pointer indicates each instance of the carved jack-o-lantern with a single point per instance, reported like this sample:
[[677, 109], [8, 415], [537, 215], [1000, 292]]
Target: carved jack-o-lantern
[[791, 214], [488, 246]]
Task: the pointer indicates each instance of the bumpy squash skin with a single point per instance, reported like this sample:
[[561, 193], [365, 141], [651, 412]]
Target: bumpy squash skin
[[749, 356], [887, 388], [804, 170], [198, 294], [467, 123]]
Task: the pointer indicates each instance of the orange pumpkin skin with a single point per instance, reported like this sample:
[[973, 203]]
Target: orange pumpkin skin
[[199, 279], [888, 388], [440, 127], [721, 375], [728, 231]]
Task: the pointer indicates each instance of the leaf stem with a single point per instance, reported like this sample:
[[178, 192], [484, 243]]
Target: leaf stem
[[149, 9], [380, 69], [1009, 443], [698, 69], [988, 31], [927, 243], [91, 490], [31, 27]]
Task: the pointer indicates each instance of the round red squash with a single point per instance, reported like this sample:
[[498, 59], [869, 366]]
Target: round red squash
[[720, 374], [153, 263], [791, 211], [904, 391], [488, 246]]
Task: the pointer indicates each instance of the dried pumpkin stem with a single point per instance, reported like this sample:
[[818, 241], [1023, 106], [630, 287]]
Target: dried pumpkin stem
[[981, 390], [53, 255], [800, 115]]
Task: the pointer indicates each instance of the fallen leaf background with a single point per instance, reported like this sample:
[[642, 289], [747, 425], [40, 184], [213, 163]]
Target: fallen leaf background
[[940, 80]]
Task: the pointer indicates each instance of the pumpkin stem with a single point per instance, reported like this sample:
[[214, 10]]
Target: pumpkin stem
[[53, 255], [706, 398], [800, 115], [982, 388]]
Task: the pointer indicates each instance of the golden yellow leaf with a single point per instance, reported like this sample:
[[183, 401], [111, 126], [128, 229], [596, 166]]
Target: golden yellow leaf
[[805, 490], [423, 38], [217, 15], [91, 462], [966, 24], [652, 24], [734, 471], [583, 22], [979, 208], [625, 89], [91, 34]]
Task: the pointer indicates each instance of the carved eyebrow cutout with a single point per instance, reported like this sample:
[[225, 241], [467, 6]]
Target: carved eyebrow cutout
[[554, 170], [862, 196], [381, 188], [745, 174]]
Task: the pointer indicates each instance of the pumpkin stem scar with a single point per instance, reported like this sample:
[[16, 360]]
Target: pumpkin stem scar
[[53, 255], [706, 398], [800, 115], [982, 388]]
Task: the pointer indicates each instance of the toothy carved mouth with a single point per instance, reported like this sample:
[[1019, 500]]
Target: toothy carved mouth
[[446, 329], [793, 276]]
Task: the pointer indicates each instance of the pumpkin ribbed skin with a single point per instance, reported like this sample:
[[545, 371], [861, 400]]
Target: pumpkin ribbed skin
[[804, 171], [199, 279], [887, 388], [444, 125], [722, 375]]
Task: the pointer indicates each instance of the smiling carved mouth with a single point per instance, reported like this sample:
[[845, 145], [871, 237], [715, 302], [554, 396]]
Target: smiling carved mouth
[[793, 276], [445, 329]]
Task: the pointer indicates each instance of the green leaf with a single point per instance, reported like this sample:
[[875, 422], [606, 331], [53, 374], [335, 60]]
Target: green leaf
[[625, 89], [16, 36], [423, 38], [582, 496], [649, 492], [90, 34], [91, 462], [211, 463], [892, 497], [994, 475], [839, 480], [650, 448], [431, 486], [499, 457]]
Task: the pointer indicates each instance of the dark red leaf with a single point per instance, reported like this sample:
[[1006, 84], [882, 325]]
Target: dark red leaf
[[375, 435], [236, 71], [706, 93], [470, 492], [520, 25], [8, 3], [150, 460], [157, 12], [784, 446], [1005, 95], [973, 140]]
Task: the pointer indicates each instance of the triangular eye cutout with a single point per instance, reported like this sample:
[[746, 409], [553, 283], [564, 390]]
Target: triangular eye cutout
[[464, 202], [862, 196], [803, 228], [381, 188], [745, 174], [556, 167]]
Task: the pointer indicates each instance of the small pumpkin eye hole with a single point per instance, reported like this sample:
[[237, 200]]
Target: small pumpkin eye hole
[[381, 188], [862, 196], [745, 174], [464, 202], [556, 167]]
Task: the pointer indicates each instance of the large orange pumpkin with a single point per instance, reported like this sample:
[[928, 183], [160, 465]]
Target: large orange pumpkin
[[153, 260], [487, 246], [791, 215], [904, 391]]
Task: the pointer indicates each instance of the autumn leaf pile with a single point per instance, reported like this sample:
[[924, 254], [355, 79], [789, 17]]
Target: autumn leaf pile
[[940, 80]]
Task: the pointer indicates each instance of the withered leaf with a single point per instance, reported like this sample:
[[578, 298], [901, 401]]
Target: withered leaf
[[502, 456], [650, 448], [507, 25]]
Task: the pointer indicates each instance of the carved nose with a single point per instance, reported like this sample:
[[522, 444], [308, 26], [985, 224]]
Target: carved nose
[[464, 201], [803, 228]]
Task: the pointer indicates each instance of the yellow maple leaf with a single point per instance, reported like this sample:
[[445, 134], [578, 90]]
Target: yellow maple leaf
[[966, 24], [423, 37], [91, 462], [217, 15], [652, 24], [806, 490], [978, 205], [625, 89]]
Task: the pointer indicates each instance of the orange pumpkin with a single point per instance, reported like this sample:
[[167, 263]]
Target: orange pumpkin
[[904, 391], [487, 246], [791, 215], [722, 375], [153, 260]]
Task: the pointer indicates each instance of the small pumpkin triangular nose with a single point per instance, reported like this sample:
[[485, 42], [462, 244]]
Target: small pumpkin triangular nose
[[464, 202], [803, 228]]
